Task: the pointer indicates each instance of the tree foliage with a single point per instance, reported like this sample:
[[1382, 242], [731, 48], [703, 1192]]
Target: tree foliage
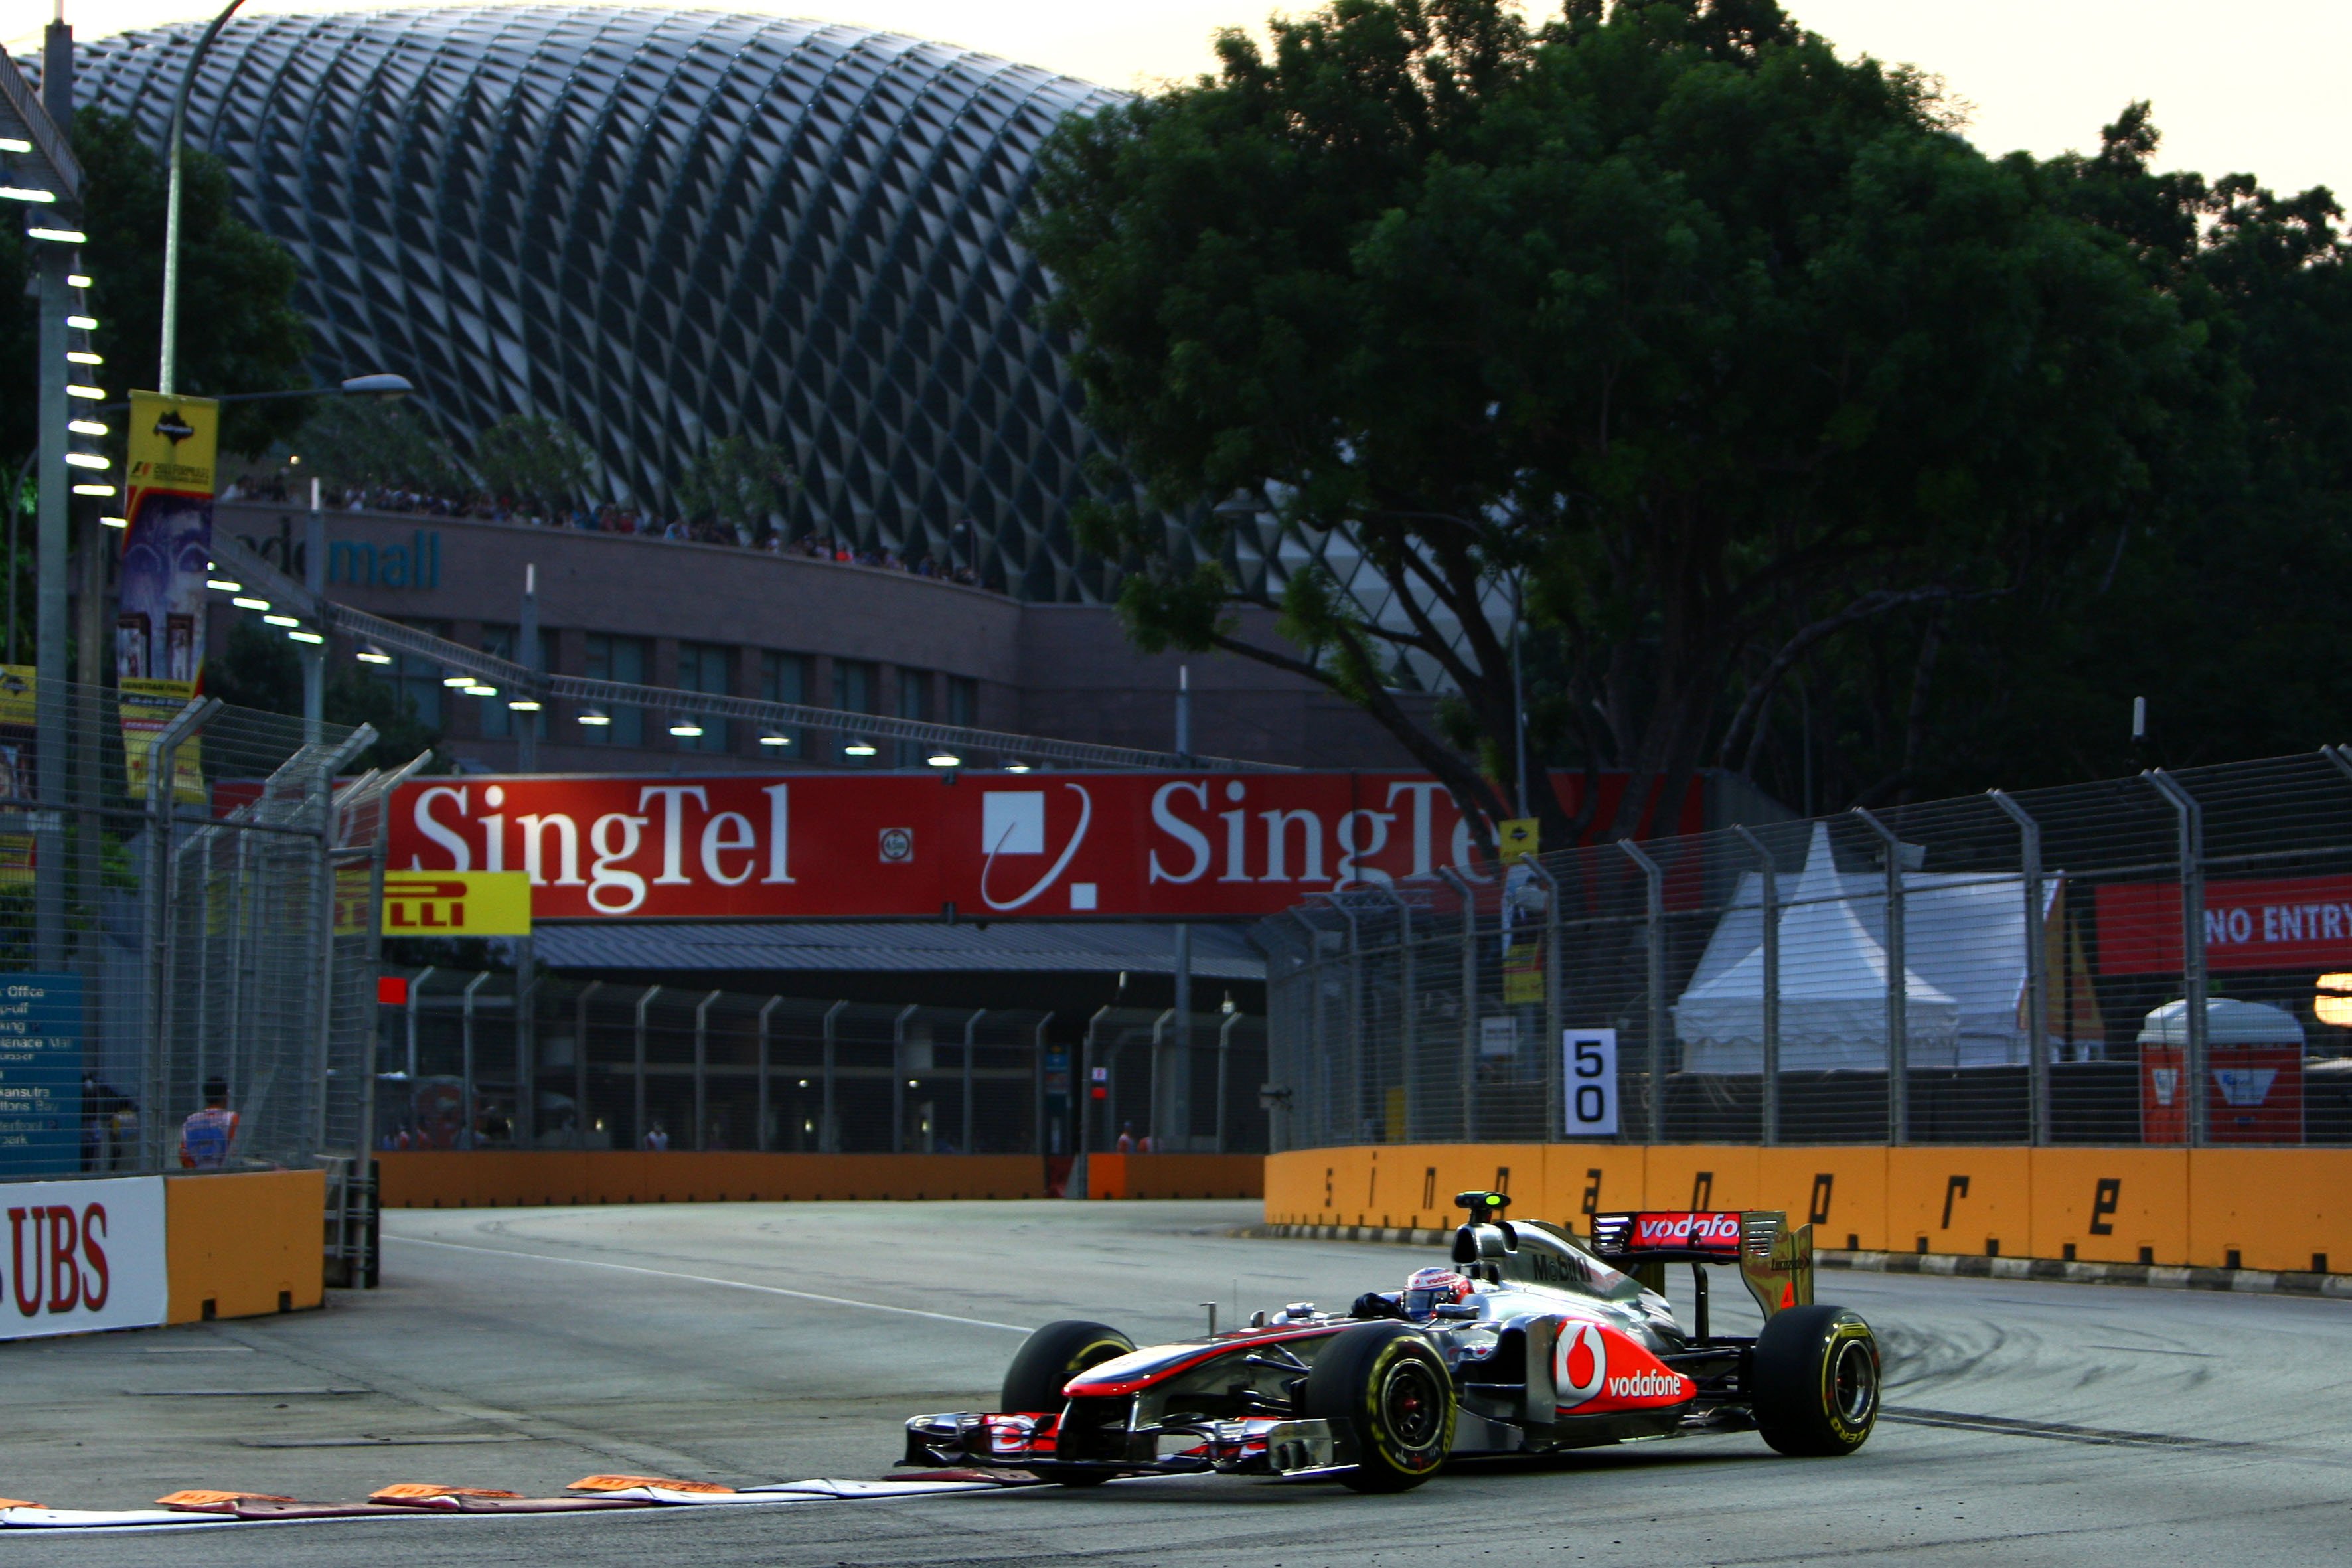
[[373, 443], [259, 669], [1718, 350], [238, 328], [533, 456], [741, 482]]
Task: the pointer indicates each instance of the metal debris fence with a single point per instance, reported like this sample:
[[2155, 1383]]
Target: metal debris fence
[[2068, 965], [186, 896], [590, 1064]]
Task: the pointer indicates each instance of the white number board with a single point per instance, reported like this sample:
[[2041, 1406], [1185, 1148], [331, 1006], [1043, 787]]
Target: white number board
[[1590, 1076], [82, 1255]]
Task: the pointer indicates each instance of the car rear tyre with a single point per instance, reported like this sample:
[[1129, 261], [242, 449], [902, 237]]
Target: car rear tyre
[[1385, 1386], [1816, 1382]]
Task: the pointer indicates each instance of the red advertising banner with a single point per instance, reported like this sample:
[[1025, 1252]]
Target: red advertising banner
[[2290, 922], [834, 845]]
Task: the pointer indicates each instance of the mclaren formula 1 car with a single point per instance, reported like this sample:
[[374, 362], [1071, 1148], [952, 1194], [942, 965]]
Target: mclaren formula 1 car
[[1530, 1340]]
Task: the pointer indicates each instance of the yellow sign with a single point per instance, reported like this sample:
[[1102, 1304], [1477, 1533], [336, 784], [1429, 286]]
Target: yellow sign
[[1515, 839], [456, 903], [1523, 973], [174, 443]]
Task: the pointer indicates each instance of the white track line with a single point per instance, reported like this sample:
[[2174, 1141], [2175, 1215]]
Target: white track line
[[710, 1279]]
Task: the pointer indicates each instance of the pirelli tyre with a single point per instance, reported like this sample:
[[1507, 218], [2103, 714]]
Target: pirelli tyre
[[1385, 1386], [1816, 1382], [1047, 1359]]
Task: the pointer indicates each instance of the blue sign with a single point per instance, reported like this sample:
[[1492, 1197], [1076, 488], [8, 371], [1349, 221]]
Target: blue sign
[[40, 1075]]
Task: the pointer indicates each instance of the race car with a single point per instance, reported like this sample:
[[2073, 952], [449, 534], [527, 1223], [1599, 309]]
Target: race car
[[1528, 1341]]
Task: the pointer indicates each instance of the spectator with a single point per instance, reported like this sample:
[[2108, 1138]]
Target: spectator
[[206, 1136], [657, 1138]]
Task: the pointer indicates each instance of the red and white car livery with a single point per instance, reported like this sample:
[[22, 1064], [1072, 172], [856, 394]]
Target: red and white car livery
[[1530, 1340]]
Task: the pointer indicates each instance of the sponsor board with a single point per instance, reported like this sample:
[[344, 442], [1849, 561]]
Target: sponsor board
[[993, 845], [456, 903], [82, 1255]]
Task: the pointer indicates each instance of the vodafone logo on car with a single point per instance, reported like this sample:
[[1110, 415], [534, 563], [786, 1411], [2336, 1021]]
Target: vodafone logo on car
[[1711, 1232], [1596, 1370]]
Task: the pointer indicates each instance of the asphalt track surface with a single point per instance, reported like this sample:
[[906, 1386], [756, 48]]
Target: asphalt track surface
[[2028, 1422]]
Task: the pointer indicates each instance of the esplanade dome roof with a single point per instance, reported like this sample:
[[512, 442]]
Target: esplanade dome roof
[[666, 228]]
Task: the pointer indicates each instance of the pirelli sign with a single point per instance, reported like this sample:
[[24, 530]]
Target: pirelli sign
[[456, 903]]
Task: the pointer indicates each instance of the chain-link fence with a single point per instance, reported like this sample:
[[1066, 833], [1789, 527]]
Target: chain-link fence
[[595, 1064], [2164, 959], [185, 923]]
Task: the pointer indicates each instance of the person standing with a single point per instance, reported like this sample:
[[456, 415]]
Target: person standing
[[206, 1136]]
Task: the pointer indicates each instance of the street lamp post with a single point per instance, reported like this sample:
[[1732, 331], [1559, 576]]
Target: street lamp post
[[165, 366]]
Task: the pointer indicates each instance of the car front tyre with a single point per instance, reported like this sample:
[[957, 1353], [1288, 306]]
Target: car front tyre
[[1816, 1382], [1385, 1384]]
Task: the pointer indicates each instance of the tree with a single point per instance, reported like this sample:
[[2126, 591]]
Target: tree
[[372, 443], [1711, 346], [534, 458], [238, 328], [740, 482], [259, 669]]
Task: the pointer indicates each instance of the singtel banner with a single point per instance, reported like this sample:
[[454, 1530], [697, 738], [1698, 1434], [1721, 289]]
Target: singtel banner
[[840, 846]]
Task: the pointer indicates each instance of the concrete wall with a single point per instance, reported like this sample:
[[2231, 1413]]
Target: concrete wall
[[2214, 1208], [245, 1245]]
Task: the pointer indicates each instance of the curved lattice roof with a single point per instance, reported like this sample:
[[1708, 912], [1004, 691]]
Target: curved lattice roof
[[666, 228]]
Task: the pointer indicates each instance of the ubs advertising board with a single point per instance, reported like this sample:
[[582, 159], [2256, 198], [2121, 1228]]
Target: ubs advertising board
[[993, 845], [83, 1256]]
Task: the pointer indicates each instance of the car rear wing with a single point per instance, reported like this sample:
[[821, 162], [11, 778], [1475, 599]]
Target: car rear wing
[[1775, 1261]]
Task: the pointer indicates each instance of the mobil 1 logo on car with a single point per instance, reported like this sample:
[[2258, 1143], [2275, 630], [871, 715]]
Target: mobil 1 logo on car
[[82, 1255]]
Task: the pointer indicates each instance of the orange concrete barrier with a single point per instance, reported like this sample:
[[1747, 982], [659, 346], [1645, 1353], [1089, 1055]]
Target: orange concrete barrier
[[1175, 1175], [244, 1245], [2254, 1208], [487, 1178], [2119, 1206]]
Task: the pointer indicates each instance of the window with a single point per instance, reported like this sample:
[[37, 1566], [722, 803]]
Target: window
[[913, 703], [417, 682], [853, 681], [622, 659], [963, 699], [498, 642], [702, 667], [783, 677]]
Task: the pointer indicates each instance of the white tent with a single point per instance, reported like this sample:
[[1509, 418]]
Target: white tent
[[1833, 984]]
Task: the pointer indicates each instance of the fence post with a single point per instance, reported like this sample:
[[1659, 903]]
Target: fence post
[[466, 1036], [580, 1065], [759, 1138], [971, 1030], [1156, 1078], [828, 1138], [1771, 992], [1038, 1050], [638, 1062], [1555, 1067], [1086, 1118], [323, 930], [2192, 817], [1898, 997], [1314, 1070], [1653, 906], [1408, 1028], [2037, 969], [899, 1079], [1353, 1133], [1224, 1057], [701, 1068], [162, 763], [1468, 1069]]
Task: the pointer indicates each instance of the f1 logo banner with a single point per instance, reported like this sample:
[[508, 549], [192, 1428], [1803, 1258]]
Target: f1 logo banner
[[804, 845], [82, 1255], [1590, 1076]]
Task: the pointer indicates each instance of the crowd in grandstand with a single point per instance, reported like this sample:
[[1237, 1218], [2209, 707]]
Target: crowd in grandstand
[[604, 519]]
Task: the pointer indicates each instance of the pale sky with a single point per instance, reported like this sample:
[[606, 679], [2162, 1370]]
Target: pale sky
[[2247, 86]]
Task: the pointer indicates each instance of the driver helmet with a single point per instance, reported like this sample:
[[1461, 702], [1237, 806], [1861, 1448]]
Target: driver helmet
[[1430, 1288]]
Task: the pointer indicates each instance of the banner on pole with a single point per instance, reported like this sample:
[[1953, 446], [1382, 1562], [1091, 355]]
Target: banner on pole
[[167, 555]]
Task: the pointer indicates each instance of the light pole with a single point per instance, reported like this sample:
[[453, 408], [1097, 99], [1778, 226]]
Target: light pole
[[165, 365]]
